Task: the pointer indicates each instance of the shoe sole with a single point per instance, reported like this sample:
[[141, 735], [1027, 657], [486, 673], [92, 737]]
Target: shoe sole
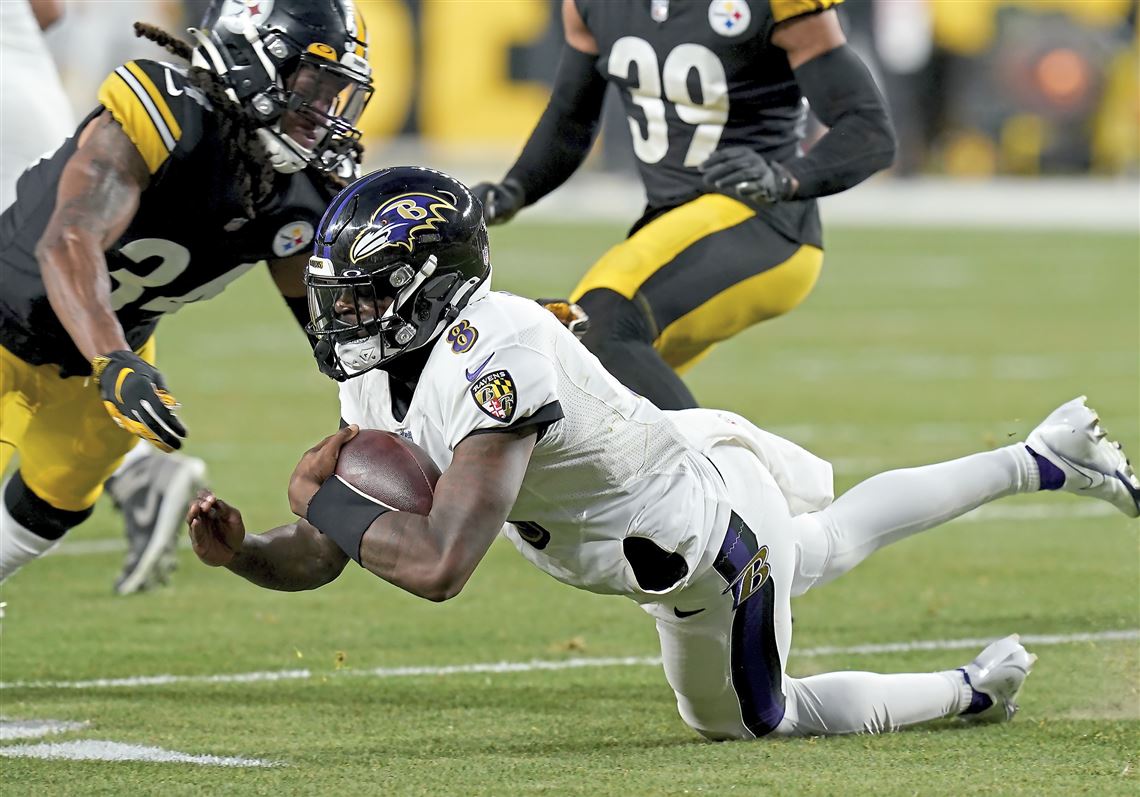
[[167, 523]]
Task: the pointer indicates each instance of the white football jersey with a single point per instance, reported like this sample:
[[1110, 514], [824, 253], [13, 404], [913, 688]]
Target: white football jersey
[[608, 464]]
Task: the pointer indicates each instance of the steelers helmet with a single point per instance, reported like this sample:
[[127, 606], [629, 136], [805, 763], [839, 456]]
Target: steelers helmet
[[299, 68], [397, 255]]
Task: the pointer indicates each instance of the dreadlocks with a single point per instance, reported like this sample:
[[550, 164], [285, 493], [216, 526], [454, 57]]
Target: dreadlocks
[[244, 149]]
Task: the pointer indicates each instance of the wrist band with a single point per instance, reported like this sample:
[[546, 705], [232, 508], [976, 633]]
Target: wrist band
[[343, 514]]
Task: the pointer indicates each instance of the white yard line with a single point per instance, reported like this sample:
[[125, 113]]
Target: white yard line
[[1040, 640], [99, 750]]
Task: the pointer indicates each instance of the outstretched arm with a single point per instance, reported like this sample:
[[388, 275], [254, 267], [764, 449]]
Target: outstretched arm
[[98, 196], [290, 558], [562, 138]]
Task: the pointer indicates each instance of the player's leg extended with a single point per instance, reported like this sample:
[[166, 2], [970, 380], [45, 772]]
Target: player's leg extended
[[1068, 450], [725, 637], [724, 654], [623, 324], [68, 445]]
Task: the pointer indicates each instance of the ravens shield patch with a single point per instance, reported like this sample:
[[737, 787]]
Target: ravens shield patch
[[495, 395]]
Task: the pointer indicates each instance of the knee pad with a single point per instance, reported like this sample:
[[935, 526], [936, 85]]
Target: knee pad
[[37, 515]]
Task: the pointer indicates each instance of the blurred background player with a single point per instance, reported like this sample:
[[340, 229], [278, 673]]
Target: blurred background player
[[179, 182], [715, 99]]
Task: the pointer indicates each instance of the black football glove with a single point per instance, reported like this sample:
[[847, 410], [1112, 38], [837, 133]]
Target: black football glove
[[572, 316], [501, 201], [135, 395], [748, 175]]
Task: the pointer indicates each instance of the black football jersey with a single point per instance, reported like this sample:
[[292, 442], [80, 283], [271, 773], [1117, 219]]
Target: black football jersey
[[189, 237], [696, 76]]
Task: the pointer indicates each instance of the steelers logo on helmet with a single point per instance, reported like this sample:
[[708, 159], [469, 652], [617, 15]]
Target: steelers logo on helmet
[[257, 10], [399, 221], [729, 17]]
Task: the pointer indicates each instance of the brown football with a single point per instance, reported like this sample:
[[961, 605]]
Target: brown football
[[389, 468]]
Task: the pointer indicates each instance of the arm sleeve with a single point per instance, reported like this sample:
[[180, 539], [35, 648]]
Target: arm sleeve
[[138, 96], [861, 139], [515, 392], [565, 131]]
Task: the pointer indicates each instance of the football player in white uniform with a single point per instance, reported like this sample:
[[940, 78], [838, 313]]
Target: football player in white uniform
[[711, 524]]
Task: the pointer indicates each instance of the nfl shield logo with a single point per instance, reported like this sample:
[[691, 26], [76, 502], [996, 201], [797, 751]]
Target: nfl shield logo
[[495, 395]]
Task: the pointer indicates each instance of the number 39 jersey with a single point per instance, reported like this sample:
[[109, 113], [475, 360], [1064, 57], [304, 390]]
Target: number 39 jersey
[[608, 466], [189, 237], [695, 76]]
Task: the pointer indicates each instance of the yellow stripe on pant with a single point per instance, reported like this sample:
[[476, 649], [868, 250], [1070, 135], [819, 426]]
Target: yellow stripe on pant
[[766, 295], [68, 444], [626, 266], [704, 271]]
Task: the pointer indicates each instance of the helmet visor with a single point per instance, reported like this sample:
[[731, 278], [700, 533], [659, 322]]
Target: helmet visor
[[325, 101]]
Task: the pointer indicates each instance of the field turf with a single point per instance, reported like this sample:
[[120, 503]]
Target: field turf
[[917, 345]]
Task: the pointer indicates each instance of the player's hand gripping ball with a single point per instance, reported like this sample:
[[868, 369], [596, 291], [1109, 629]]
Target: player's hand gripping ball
[[389, 468], [382, 465]]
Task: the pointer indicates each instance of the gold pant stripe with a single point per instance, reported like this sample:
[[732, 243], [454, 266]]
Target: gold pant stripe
[[67, 443], [766, 295], [626, 267]]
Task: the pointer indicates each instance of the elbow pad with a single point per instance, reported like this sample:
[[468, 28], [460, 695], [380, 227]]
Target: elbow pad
[[861, 140]]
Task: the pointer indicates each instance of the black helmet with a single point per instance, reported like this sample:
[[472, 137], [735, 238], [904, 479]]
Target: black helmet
[[398, 254], [299, 68]]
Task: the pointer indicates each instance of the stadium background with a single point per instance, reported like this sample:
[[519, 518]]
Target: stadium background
[[992, 274]]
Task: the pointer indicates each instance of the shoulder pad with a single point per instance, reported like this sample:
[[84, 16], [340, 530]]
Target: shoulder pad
[[152, 103]]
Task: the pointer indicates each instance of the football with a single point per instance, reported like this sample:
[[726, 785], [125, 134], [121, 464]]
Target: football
[[389, 468]]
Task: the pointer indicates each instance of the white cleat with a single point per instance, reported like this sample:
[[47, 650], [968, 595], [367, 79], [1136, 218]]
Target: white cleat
[[1073, 440], [996, 677]]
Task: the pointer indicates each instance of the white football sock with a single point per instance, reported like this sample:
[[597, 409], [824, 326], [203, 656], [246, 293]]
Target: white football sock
[[866, 702], [18, 545], [896, 504]]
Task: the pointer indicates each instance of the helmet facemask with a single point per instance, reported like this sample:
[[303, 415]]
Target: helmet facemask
[[364, 320], [305, 100], [315, 111]]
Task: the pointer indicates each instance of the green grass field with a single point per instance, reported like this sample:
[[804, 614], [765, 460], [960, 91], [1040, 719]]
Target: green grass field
[[915, 346]]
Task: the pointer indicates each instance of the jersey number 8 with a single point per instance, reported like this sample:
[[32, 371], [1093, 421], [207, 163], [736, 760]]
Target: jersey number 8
[[709, 115]]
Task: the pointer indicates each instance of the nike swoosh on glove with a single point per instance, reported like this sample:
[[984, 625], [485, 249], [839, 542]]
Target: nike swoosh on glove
[[136, 398]]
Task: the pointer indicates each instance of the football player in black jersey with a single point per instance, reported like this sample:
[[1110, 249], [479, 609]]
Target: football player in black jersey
[[715, 96], [182, 179]]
